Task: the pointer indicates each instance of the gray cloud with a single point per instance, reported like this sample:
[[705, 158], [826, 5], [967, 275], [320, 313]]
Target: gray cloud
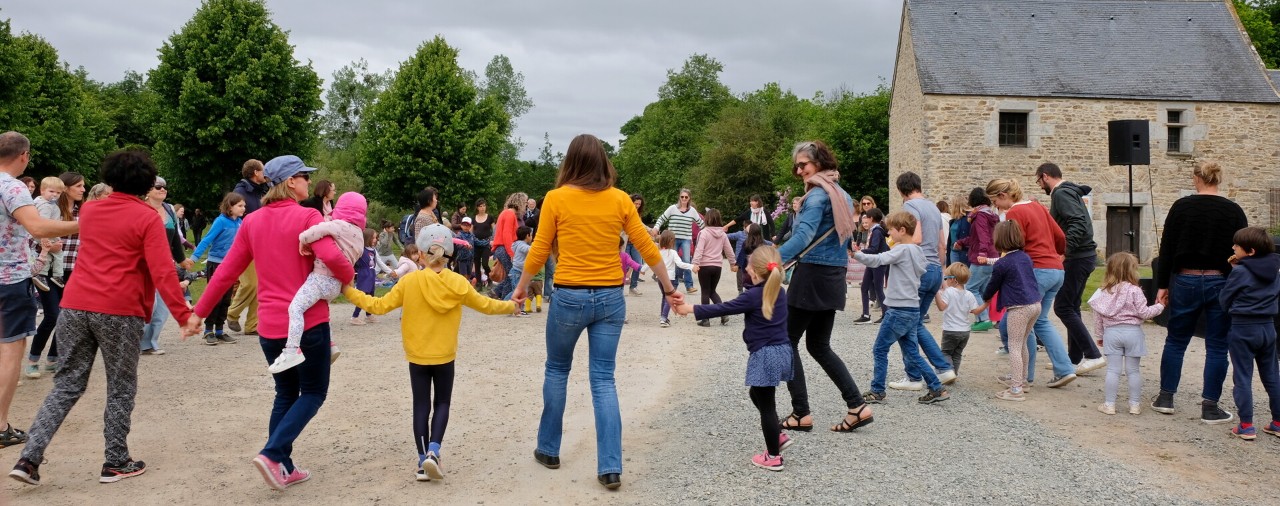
[[589, 67]]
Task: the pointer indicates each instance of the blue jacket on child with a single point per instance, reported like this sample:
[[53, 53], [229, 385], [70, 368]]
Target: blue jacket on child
[[1252, 289], [218, 241], [758, 332]]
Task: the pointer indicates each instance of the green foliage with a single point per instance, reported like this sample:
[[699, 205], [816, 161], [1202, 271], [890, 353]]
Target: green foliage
[[229, 89], [504, 84], [431, 127], [353, 90], [745, 149], [1260, 18], [533, 177], [856, 126], [665, 142], [42, 99], [125, 103]]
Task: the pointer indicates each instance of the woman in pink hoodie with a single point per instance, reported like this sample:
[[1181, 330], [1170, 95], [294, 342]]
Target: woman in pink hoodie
[[708, 259], [269, 236]]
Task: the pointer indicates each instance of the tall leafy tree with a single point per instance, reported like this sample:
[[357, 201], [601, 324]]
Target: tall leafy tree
[[353, 90], [41, 98], [125, 103], [665, 142], [1260, 19], [431, 127], [856, 126], [228, 89]]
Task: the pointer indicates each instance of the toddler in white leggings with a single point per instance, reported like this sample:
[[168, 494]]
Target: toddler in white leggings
[[1120, 308], [346, 226]]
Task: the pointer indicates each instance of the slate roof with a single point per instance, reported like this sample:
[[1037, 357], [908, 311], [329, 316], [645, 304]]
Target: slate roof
[[1274, 74], [1150, 50]]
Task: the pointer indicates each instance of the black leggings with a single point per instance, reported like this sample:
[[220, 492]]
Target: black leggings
[[421, 377], [218, 315], [872, 289], [708, 278], [763, 398], [816, 326], [481, 261]]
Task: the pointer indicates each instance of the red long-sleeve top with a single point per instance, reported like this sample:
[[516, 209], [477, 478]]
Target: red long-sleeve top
[[1045, 242], [504, 232], [123, 260]]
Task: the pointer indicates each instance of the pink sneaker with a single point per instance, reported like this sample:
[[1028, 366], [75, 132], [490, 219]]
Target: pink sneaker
[[272, 471], [766, 461], [298, 475], [784, 441]]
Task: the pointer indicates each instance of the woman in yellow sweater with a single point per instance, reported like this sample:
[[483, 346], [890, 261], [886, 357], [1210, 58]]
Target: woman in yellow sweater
[[433, 298], [584, 216]]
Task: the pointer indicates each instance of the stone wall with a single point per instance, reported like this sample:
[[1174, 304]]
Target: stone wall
[[957, 149], [906, 117]]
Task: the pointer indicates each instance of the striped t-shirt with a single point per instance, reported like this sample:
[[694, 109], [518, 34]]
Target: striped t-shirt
[[680, 222]]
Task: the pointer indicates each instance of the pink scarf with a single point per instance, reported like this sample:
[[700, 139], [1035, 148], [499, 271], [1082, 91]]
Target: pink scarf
[[840, 210]]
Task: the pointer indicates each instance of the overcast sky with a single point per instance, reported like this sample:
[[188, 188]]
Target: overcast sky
[[588, 66]]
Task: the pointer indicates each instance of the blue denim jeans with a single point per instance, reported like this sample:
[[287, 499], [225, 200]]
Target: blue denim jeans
[[151, 331], [1049, 281], [899, 326], [979, 275], [504, 288], [515, 274], [682, 247], [1250, 344], [930, 282], [635, 255], [1188, 296], [300, 390], [599, 311]]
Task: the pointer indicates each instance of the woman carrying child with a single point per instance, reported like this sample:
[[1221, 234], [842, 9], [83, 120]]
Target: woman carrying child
[[433, 298], [764, 303], [1120, 307]]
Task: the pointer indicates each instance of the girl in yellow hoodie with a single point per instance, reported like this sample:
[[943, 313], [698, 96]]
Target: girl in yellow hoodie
[[432, 299]]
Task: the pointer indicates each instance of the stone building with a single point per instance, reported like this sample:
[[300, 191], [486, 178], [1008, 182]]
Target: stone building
[[993, 88]]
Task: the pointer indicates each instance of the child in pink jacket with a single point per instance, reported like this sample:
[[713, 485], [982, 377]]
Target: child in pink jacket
[[1120, 308], [346, 226], [708, 260]]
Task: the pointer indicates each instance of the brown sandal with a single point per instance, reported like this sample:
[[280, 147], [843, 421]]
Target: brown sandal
[[792, 422], [859, 421]]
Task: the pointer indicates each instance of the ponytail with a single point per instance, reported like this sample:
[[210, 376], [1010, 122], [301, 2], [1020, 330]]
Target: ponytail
[[434, 256], [765, 263]]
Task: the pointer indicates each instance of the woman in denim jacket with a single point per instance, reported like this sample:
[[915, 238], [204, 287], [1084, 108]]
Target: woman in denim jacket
[[817, 284]]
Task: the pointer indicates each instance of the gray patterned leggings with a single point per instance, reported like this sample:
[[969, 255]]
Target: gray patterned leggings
[[80, 335], [316, 287]]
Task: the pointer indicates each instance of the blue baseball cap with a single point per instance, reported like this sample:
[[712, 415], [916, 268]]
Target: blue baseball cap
[[281, 168]]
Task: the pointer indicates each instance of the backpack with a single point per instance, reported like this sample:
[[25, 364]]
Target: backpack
[[406, 228]]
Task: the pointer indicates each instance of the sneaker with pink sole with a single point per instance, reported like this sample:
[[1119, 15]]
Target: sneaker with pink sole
[[298, 475], [784, 441], [765, 461], [272, 472]]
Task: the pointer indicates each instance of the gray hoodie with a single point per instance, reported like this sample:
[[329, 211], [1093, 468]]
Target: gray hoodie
[[906, 264]]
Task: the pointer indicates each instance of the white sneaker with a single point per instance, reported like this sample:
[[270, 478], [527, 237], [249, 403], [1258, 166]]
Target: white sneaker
[[947, 377], [906, 384], [334, 352], [1107, 409], [356, 320], [288, 358], [1090, 364]]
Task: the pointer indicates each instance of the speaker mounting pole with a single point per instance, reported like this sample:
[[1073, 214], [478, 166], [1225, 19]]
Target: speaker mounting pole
[[1133, 231], [1127, 141]]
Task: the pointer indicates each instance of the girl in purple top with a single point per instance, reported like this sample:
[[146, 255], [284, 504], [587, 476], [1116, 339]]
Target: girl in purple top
[[1015, 279], [366, 276], [765, 305]]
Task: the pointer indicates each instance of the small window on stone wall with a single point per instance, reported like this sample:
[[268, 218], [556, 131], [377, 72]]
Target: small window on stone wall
[[1175, 125], [1013, 129]]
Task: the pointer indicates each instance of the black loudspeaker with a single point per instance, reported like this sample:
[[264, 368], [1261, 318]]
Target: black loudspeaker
[[1128, 142]]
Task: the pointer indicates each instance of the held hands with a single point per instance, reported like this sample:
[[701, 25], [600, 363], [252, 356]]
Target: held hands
[[676, 298], [1162, 296], [187, 264], [518, 296], [193, 327], [695, 269], [683, 309]]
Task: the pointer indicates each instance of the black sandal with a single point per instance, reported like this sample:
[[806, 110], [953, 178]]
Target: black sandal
[[792, 422], [12, 436], [845, 426]]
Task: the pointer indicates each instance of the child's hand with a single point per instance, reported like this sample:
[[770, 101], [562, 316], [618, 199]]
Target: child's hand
[[733, 268], [1099, 343], [982, 260], [695, 269], [684, 309], [304, 249], [1233, 260]]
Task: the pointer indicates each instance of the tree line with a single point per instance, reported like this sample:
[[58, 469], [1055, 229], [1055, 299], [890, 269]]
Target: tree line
[[227, 88]]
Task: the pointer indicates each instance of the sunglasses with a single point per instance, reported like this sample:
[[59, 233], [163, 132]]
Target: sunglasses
[[800, 165], [303, 175], [159, 187], [866, 203], [684, 196]]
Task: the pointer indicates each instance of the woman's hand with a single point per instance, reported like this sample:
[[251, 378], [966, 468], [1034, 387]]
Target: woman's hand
[[519, 295], [1162, 296], [193, 327]]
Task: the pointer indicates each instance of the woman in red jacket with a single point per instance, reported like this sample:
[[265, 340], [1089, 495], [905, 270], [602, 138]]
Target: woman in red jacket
[[504, 235]]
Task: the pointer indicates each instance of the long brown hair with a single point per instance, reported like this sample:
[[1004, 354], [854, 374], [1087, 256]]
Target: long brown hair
[[65, 204], [586, 165]]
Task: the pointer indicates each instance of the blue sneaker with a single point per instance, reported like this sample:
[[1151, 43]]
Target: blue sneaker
[[1272, 428], [1248, 434]]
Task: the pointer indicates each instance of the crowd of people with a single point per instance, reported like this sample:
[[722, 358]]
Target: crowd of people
[[991, 259]]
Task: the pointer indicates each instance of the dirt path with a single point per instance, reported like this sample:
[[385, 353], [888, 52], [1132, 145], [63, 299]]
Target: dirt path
[[202, 411]]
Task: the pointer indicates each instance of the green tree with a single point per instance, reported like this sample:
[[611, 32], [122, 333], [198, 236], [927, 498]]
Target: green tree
[[228, 89], [856, 126], [744, 150], [125, 103], [41, 98], [666, 141], [504, 84], [430, 127], [1259, 18], [353, 90]]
